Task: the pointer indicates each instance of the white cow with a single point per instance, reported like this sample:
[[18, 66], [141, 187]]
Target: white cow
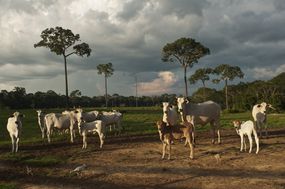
[[111, 119], [41, 122], [61, 122], [201, 114], [169, 114], [259, 114], [14, 127], [87, 116], [91, 127], [246, 128]]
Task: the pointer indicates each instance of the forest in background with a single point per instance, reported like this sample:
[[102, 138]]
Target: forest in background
[[242, 97]]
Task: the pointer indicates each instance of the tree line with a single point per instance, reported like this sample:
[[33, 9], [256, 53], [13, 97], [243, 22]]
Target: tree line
[[241, 97]]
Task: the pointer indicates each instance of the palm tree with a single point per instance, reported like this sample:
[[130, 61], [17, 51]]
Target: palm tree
[[106, 70]]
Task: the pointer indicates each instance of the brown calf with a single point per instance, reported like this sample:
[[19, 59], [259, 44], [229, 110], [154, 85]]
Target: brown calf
[[168, 133]]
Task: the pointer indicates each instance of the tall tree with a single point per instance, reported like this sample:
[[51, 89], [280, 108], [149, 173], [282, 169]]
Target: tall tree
[[185, 51], [107, 70], [203, 75], [62, 42], [227, 73]]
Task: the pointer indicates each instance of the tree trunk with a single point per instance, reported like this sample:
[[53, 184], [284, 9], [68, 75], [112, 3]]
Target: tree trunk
[[204, 90], [106, 93], [66, 83], [185, 81], [226, 92]]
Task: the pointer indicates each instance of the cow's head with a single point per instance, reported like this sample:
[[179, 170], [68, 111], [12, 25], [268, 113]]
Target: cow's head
[[39, 112], [165, 107], [263, 107], [181, 101], [18, 117], [236, 124]]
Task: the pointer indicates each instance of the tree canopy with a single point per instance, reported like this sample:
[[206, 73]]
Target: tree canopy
[[60, 41], [185, 51]]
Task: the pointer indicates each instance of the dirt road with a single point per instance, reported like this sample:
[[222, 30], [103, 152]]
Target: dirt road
[[134, 162]]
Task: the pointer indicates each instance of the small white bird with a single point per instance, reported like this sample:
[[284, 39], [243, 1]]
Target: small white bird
[[79, 168]]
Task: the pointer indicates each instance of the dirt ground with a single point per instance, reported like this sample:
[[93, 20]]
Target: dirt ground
[[135, 162]]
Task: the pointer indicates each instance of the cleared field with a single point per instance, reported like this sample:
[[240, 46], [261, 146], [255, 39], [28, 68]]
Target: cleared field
[[132, 160]]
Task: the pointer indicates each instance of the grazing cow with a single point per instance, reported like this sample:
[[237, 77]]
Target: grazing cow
[[91, 127], [243, 129], [177, 131], [14, 127], [61, 122], [259, 114], [201, 114], [41, 122], [169, 114]]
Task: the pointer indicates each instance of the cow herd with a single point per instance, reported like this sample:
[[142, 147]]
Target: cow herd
[[169, 128]]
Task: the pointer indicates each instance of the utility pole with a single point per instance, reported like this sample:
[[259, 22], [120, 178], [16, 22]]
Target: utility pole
[[136, 90]]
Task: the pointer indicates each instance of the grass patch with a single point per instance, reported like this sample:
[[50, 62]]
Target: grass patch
[[8, 186], [43, 161]]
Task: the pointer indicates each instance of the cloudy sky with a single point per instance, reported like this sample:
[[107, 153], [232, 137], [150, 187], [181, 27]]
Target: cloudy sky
[[131, 34]]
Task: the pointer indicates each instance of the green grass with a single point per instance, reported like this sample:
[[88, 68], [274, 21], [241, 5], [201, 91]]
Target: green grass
[[8, 186], [136, 120]]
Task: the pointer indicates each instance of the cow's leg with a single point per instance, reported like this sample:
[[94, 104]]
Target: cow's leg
[[169, 149], [13, 142], [217, 125], [213, 132], [101, 136], [241, 143], [48, 133], [191, 148], [71, 134], [163, 149], [84, 141], [17, 144], [250, 143], [256, 141]]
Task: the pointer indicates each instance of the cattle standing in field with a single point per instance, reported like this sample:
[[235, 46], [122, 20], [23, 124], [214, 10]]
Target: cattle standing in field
[[259, 114], [169, 114], [87, 116], [61, 122], [91, 127], [41, 122], [243, 129], [177, 131], [201, 114], [14, 127], [112, 119]]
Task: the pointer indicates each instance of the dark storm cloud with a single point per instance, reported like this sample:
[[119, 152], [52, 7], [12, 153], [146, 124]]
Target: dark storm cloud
[[131, 34]]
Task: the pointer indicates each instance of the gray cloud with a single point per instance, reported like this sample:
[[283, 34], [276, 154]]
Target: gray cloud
[[131, 34]]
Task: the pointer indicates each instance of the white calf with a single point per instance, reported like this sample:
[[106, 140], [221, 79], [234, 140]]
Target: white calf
[[91, 127], [169, 114], [14, 127], [246, 128], [41, 122], [259, 115]]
